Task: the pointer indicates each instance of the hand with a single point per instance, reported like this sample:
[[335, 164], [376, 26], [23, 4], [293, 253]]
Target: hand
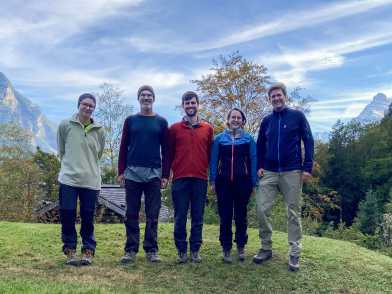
[[164, 182], [121, 180], [305, 177], [260, 172]]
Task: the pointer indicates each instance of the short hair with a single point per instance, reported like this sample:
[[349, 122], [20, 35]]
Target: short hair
[[240, 111], [86, 96], [188, 95], [277, 86]]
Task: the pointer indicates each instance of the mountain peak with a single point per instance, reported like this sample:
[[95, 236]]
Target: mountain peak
[[380, 98], [375, 110]]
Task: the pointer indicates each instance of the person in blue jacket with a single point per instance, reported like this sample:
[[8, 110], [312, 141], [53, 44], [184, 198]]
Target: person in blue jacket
[[233, 176], [282, 167]]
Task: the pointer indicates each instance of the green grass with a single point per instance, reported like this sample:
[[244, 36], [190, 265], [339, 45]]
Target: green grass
[[32, 262]]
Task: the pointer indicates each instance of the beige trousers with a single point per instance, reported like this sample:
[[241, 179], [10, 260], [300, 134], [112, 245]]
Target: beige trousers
[[290, 185]]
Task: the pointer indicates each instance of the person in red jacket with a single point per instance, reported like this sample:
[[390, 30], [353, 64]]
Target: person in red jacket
[[189, 147]]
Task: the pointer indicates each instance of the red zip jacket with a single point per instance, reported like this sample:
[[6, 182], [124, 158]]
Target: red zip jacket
[[189, 149]]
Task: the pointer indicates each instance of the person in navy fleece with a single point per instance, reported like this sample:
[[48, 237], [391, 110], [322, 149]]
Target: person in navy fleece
[[233, 177], [283, 168]]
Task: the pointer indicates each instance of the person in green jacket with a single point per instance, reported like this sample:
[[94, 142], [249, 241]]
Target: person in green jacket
[[81, 143]]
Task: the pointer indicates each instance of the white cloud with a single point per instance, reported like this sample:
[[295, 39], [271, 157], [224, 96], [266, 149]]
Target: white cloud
[[290, 21]]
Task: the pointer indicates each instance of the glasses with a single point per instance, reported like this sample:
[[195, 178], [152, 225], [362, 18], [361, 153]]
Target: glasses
[[86, 105], [145, 95]]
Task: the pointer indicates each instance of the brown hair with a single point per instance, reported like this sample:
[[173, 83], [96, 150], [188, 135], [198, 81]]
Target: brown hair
[[277, 86]]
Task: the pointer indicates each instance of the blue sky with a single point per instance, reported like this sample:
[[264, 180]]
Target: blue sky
[[338, 51]]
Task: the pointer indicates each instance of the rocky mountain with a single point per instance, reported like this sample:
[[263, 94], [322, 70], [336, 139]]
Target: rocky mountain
[[375, 110], [14, 107]]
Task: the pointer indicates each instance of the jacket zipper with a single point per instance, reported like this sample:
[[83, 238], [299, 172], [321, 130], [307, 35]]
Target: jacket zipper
[[246, 168], [279, 142], [232, 161]]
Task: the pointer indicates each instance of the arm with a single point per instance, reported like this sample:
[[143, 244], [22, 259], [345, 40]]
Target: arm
[[122, 157], [260, 146], [171, 149], [165, 151], [214, 159], [253, 160], [101, 143], [307, 138], [210, 141]]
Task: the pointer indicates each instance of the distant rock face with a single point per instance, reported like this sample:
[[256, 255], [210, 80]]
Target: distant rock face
[[375, 110], [16, 108]]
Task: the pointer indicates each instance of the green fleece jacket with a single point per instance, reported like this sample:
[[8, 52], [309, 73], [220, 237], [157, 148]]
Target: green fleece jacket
[[80, 150]]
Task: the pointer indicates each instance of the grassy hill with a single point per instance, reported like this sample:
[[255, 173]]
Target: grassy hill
[[31, 262]]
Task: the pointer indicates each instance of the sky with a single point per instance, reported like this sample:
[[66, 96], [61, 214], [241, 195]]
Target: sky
[[338, 52]]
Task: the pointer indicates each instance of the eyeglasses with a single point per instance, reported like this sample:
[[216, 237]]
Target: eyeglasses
[[86, 105], [146, 95]]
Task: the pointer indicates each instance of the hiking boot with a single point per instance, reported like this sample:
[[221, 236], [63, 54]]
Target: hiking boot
[[152, 256], [262, 256], [241, 253], [71, 257], [195, 257], [87, 257], [128, 257], [293, 263], [182, 257], [227, 257]]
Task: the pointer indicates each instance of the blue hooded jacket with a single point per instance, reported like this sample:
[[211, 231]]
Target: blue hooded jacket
[[233, 158]]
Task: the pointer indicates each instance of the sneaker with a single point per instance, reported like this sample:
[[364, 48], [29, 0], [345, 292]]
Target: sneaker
[[71, 257], [241, 253], [87, 257], [262, 256], [227, 257], [152, 256], [182, 257], [195, 256], [293, 263], [128, 257]]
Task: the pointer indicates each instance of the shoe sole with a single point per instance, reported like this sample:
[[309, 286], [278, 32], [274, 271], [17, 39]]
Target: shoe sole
[[293, 269], [260, 261], [85, 262]]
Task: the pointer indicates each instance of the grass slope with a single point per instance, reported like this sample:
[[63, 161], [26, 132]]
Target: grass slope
[[31, 262]]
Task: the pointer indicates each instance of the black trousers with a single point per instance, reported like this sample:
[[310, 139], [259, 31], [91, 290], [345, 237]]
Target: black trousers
[[152, 204], [68, 199], [233, 198], [189, 192]]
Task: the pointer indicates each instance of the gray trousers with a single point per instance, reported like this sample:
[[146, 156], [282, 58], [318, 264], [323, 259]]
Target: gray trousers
[[290, 185]]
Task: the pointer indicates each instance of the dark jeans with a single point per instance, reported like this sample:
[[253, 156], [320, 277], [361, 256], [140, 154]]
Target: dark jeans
[[152, 204], [187, 191], [233, 197], [68, 198]]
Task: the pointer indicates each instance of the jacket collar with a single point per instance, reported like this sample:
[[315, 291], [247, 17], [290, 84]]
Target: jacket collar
[[75, 119], [188, 124], [239, 133]]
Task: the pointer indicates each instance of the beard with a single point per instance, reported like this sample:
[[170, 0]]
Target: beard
[[191, 111]]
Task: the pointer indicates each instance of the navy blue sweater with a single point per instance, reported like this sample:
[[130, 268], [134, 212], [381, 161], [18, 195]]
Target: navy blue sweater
[[279, 142], [144, 139]]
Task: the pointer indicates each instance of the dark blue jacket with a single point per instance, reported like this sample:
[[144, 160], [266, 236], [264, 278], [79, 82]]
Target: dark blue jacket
[[279, 142], [233, 158]]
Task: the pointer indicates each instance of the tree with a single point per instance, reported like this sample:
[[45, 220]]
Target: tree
[[49, 166], [111, 113], [234, 82], [19, 175], [237, 82], [15, 142]]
